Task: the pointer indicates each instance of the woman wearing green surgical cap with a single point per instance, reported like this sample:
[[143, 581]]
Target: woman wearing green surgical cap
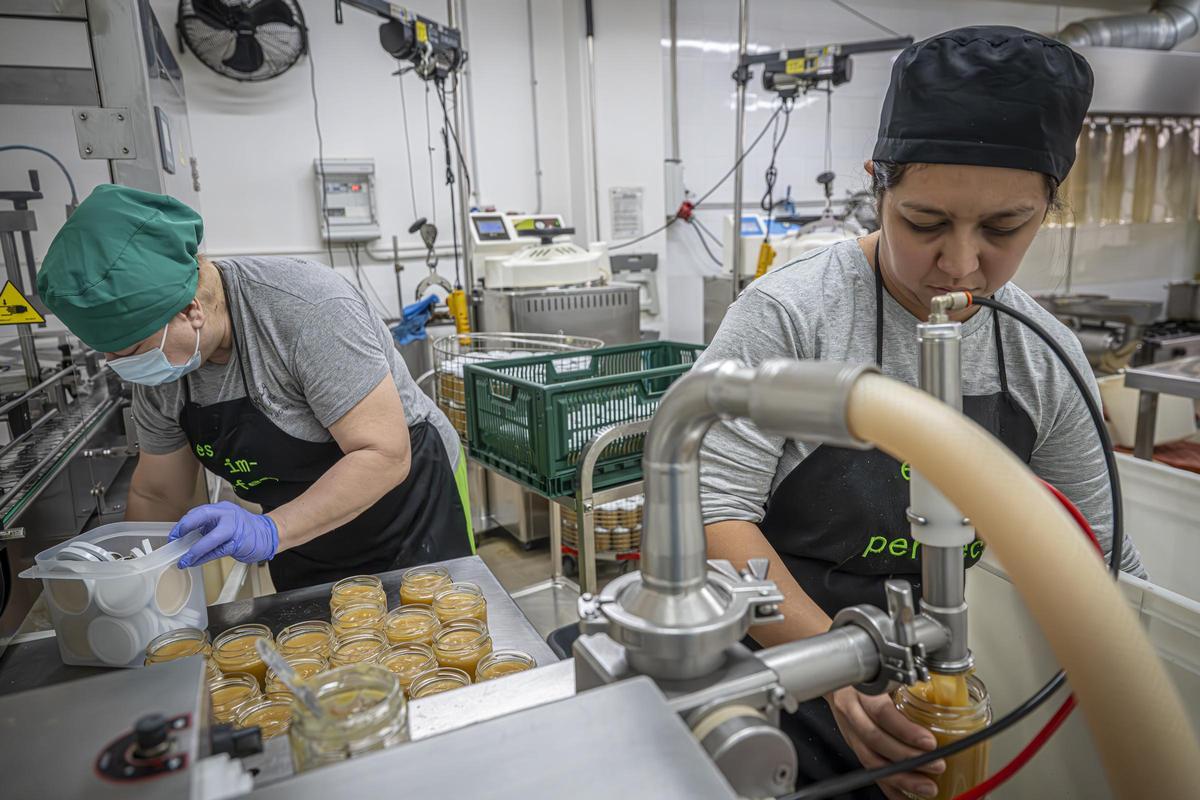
[[272, 373]]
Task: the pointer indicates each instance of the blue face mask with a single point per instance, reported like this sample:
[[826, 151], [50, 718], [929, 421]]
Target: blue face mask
[[152, 368]]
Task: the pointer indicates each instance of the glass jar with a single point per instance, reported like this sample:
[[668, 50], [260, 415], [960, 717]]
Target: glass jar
[[235, 651], [407, 661], [501, 663], [179, 643], [272, 714], [364, 710], [356, 617], [951, 707], [420, 584], [357, 589], [305, 666], [357, 647], [309, 638], [460, 601], [436, 681], [229, 693], [411, 624], [462, 645]]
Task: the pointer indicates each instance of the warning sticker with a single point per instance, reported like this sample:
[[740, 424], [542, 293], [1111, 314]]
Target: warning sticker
[[15, 309]]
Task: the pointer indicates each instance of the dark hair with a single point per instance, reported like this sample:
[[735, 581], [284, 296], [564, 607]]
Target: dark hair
[[888, 175]]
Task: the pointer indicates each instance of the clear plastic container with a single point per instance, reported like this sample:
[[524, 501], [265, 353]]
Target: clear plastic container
[[357, 616], [305, 666], [229, 693], [236, 650], [309, 638], [407, 661], [460, 601], [357, 647], [272, 714], [357, 589], [950, 708], [364, 710], [436, 681], [176, 644], [411, 624], [420, 584], [105, 613], [501, 663], [462, 645]]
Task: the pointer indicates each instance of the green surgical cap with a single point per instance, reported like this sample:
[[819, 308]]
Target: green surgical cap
[[122, 266]]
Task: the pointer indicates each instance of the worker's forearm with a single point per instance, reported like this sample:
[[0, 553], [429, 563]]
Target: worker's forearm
[[144, 506], [347, 489], [739, 541]]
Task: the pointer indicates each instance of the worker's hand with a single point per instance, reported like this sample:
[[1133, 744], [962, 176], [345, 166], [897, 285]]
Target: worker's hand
[[879, 734], [228, 530]]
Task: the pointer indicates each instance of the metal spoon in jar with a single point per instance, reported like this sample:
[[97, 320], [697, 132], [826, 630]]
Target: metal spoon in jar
[[283, 670]]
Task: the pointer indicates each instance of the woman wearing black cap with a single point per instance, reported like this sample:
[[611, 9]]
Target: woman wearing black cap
[[977, 131]]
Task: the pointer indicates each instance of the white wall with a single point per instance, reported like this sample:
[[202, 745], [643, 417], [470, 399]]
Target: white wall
[[707, 33]]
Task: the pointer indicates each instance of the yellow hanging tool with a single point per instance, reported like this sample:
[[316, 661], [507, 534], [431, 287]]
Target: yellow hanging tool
[[457, 303], [766, 257]]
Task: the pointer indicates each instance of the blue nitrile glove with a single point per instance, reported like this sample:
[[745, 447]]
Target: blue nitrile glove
[[412, 327], [228, 530]]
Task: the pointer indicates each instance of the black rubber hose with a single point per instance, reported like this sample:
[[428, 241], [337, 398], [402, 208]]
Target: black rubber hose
[[1110, 460]]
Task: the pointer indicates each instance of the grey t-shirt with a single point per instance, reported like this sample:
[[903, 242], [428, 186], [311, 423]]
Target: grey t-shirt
[[312, 349], [823, 307]]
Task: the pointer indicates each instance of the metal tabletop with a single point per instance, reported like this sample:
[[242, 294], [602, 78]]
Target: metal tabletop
[[32, 664], [1179, 377]]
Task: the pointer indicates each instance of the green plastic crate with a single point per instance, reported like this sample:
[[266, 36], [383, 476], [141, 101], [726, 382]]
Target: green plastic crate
[[530, 418]]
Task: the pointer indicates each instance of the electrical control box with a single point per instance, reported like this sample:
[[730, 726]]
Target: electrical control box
[[346, 199]]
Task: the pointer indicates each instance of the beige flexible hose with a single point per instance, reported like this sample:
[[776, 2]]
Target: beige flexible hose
[[1134, 712]]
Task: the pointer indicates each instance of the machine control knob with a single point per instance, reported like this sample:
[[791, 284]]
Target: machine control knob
[[151, 736]]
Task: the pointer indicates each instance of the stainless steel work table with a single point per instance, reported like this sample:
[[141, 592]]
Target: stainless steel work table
[[1178, 377], [31, 664]]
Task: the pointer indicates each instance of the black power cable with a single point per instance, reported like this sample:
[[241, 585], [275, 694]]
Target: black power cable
[[860, 778], [675, 217], [704, 244], [1110, 460], [312, 76]]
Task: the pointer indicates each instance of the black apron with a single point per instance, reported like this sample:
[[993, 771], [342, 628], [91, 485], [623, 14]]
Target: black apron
[[838, 522], [419, 521]]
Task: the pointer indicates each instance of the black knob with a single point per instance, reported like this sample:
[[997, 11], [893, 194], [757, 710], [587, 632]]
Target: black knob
[[151, 736], [237, 743]]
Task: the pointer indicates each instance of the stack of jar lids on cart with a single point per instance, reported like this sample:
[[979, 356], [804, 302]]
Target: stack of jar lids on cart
[[451, 391], [618, 525], [365, 663]]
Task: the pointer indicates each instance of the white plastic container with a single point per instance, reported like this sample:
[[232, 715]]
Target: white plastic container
[[106, 612]]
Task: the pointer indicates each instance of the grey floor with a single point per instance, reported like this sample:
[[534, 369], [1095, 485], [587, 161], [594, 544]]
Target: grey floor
[[525, 573]]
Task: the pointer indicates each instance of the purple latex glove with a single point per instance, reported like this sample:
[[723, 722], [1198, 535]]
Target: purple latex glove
[[228, 530]]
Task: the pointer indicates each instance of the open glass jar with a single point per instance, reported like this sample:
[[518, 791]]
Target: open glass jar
[[462, 644], [501, 663], [309, 638], [176, 644], [363, 710], [420, 584], [436, 681], [235, 650], [960, 710], [357, 589], [407, 661], [229, 693], [415, 624], [357, 647], [460, 601], [272, 714], [357, 616]]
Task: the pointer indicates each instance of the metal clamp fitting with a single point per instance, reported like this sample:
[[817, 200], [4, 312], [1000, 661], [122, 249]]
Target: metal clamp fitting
[[901, 656]]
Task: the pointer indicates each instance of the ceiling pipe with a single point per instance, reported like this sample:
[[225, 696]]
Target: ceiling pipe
[[1164, 26]]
